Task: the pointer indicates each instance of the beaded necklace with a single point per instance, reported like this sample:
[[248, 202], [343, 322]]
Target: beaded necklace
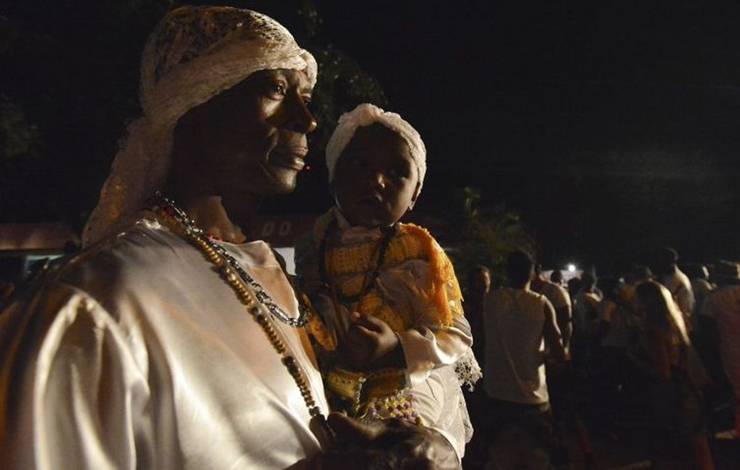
[[371, 277], [224, 260], [251, 294]]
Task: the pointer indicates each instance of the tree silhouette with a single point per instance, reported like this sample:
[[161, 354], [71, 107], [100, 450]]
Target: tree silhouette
[[70, 84]]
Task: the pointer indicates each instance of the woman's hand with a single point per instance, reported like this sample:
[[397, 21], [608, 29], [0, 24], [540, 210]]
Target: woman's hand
[[372, 344], [385, 445]]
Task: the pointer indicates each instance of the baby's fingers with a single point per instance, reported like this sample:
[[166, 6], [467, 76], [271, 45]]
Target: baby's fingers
[[366, 332]]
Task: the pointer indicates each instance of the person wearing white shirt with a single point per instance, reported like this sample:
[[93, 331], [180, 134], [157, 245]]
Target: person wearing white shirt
[[519, 325], [678, 284]]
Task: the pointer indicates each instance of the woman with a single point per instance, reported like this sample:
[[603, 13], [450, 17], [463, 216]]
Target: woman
[[663, 353], [175, 339]]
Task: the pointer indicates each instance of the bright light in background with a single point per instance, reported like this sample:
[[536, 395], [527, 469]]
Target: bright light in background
[[571, 267]]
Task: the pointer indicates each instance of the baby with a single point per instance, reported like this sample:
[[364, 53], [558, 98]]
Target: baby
[[394, 340]]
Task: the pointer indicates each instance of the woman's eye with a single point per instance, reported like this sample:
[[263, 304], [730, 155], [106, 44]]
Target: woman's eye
[[278, 89]]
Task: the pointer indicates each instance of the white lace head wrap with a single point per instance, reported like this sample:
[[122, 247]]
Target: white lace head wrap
[[193, 54], [365, 115]]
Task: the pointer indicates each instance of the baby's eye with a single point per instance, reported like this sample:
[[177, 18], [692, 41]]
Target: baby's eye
[[398, 173]]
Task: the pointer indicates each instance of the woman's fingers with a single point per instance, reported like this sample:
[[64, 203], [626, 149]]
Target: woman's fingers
[[348, 430]]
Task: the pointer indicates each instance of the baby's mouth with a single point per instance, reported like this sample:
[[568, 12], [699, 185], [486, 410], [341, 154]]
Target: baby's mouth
[[373, 200]]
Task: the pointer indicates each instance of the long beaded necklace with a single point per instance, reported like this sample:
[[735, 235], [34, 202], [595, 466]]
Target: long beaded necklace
[[251, 294], [198, 237]]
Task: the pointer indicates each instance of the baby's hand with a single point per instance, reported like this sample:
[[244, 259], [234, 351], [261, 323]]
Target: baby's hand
[[372, 344]]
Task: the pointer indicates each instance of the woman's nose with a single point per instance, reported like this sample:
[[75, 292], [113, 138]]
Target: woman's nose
[[301, 119]]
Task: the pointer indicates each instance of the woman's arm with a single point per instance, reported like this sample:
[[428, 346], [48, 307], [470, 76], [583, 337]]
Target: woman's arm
[[386, 445], [74, 394]]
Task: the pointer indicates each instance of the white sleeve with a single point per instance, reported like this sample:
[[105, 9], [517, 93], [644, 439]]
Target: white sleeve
[[441, 405], [426, 347], [74, 389], [427, 344]]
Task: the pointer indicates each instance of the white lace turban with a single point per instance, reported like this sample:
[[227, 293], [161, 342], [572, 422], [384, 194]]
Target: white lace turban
[[193, 54], [365, 115]]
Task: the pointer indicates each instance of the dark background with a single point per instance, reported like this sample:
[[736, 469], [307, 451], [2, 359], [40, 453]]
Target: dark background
[[610, 127]]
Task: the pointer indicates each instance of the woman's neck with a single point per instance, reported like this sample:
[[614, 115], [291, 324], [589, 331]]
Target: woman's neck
[[209, 213]]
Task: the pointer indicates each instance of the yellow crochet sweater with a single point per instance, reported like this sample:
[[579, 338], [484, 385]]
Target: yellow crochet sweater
[[348, 269]]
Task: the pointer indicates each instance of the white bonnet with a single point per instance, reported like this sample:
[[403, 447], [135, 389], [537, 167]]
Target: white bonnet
[[194, 53], [365, 115]]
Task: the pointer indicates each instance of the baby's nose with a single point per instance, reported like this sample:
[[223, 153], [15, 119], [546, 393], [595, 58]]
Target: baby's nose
[[378, 179]]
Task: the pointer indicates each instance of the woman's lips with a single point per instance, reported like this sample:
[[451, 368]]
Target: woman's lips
[[292, 157]]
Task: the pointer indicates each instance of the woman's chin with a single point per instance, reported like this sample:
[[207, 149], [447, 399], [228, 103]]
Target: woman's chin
[[279, 180], [240, 198]]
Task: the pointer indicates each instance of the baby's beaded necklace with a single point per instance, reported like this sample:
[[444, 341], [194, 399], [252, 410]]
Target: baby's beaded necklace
[[370, 278]]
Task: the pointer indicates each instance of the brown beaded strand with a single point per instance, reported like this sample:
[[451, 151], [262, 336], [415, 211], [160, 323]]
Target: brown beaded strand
[[232, 274], [199, 240], [246, 298]]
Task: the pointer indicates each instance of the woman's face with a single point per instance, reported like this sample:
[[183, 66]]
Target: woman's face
[[375, 180], [251, 139]]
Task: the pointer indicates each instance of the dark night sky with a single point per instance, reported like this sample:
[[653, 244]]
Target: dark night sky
[[609, 126]]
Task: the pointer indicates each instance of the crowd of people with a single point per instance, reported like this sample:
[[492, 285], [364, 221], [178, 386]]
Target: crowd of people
[[647, 357], [176, 339]]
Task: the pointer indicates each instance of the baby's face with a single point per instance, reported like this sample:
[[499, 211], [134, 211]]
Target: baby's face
[[375, 180]]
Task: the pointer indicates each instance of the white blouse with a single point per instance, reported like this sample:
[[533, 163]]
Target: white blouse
[[138, 355]]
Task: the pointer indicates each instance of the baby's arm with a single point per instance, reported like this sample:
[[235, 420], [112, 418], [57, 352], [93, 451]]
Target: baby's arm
[[426, 347], [430, 342], [371, 344]]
